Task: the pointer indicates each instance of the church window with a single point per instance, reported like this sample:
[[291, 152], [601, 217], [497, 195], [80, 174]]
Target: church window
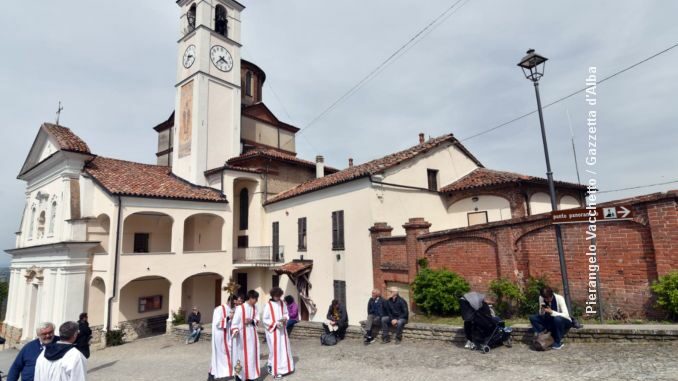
[[244, 206], [41, 224], [248, 83], [52, 217], [220, 21], [31, 224], [190, 16]]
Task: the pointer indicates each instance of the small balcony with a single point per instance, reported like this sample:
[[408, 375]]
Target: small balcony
[[259, 256]]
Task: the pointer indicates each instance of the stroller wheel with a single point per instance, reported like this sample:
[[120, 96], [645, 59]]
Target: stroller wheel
[[509, 342], [485, 349]]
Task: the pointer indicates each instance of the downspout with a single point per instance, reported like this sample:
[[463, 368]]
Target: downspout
[[115, 266]]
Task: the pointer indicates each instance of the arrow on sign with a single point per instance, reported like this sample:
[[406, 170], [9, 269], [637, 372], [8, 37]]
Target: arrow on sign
[[625, 212]]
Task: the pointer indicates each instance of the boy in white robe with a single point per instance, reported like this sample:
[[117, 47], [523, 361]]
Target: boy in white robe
[[61, 361], [275, 319], [222, 340], [245, 339]]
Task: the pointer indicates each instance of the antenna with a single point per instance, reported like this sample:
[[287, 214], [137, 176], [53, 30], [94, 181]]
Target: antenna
[[59, 113], [574, 151]]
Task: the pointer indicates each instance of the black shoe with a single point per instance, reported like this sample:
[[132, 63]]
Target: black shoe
[[385, 341], [398, 340]]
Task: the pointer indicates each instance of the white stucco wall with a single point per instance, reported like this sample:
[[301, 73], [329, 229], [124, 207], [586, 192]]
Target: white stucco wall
[[497, 209], [540, 203], [568, 202]]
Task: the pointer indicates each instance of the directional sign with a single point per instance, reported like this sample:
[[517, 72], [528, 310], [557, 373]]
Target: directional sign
[[603, 214]]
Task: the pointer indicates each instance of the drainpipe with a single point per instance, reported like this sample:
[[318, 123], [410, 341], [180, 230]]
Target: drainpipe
[[115, 266]]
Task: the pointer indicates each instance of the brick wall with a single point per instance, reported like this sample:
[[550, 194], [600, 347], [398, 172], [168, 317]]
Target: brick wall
[[631, 254]]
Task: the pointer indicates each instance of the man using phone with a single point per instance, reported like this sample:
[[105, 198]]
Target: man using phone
[[553, 317]]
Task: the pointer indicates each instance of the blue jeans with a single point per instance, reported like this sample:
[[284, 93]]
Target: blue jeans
[[290, 325], [558, 326], [386, 326]]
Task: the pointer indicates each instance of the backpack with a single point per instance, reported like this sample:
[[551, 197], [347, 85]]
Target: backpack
[[328, 339], [543, 342]]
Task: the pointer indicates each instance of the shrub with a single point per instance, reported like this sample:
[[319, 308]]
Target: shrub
[[114, 337], [423, 263], [530, 303], [666, 290], [178, 317], [509, 297], [438, 291]]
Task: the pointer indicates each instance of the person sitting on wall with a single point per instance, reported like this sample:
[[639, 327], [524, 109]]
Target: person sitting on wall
[[337, 320], [24, 363], [396, 314], [293, 311], [553, 317], [375, 311]]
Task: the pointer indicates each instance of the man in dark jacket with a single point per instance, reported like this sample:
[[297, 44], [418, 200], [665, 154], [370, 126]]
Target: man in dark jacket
[[375, 310], [61, 360], [84, 335], [194, 325], [24, 364], [396, 314]]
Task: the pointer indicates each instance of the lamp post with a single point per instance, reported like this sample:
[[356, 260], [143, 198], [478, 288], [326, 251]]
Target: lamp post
[[533, 67]]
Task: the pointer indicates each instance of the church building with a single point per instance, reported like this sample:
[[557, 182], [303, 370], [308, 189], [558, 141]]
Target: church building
[[228, 202]]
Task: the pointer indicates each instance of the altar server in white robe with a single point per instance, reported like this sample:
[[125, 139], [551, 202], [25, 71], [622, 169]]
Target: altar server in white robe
[[222, 366], [61, 361], [275, 317], [245, 339]]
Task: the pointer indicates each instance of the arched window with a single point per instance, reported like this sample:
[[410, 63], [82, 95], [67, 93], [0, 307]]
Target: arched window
[[31, 224], [248, 83], [220, 20], [52, 218], [244, 206], [190, 16], [41, 224]]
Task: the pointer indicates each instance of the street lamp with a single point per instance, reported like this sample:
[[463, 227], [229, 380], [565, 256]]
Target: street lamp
[[533, 67]]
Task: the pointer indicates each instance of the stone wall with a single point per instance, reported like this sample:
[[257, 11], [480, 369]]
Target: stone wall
[[11, 334], [631, 254]]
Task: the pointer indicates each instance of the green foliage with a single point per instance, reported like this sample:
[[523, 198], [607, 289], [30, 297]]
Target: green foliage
[[530, 305], [179, 317], [423, 263], [508, 295], [114, 338], [666, 290], [438, 291]]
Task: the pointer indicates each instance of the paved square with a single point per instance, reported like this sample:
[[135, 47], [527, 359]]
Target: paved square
[[164, 358]]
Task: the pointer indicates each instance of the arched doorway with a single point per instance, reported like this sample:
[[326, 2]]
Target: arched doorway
[[202, 291], [143, 306], [97, 301]]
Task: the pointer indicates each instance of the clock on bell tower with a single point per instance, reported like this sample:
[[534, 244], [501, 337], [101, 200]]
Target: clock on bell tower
[[207, 117]]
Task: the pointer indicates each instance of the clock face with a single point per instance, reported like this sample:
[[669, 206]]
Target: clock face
[[221, 58], [189, 56]]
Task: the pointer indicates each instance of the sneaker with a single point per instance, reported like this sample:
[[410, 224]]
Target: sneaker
[[557, 346], [270, 369], [278, 377], [468, 345]]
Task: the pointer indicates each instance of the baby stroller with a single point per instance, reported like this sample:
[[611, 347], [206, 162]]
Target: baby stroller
[[482, 328]]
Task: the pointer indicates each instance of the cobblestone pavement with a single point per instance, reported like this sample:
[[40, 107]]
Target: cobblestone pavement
[[163, 358]]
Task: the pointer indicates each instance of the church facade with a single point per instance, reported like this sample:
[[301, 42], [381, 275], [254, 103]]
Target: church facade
[[227, 203]]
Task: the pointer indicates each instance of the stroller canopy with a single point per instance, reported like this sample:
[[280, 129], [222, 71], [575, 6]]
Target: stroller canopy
[[475, 299]]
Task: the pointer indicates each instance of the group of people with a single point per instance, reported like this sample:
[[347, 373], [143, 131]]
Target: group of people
[[235, 341], [55, 358], [386, 314]]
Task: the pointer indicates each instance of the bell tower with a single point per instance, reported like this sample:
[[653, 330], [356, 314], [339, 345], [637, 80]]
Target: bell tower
[[208, 94]]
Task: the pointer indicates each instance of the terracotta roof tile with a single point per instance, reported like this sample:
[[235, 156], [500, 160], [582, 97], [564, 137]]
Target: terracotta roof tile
[[295, 267], [240, 161], [65, 138], [370, 168], [483, 177], [126, 178]]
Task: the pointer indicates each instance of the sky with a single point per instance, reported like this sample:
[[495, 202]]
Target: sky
[[112, 65]]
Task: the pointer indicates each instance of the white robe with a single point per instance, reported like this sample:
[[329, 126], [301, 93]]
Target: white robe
[[222, 365], [71, 367], [245, 342], [279, 351]]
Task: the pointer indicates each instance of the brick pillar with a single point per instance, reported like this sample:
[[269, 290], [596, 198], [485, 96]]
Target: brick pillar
[[415, 249], [663, 220], [380, 229]]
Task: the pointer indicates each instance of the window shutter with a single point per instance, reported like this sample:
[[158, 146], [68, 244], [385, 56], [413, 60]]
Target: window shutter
[[340, 229], [334, 230]]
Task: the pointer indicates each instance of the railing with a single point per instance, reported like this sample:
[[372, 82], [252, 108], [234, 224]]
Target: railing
[[262, 255]]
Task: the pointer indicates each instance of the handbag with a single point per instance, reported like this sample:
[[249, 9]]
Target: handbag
[[328, 339], [543, 341]]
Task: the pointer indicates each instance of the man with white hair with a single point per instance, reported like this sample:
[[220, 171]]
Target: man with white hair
[[24, 363], [62, 361], [396, 314], [375, 310]]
